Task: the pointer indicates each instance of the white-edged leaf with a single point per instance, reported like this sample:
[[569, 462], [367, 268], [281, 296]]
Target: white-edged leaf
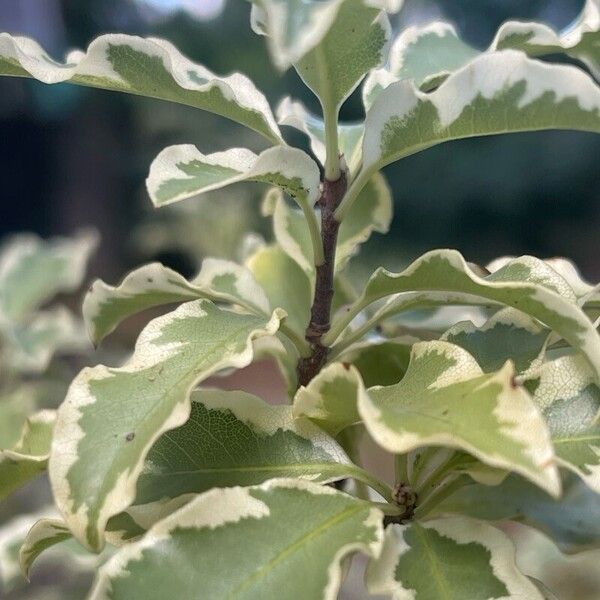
[[44, 534], [281, 350], [285, 284], [522, 284], [105, 306], [29, 456], [569, 397], [181, 172], [234, 438], [30, 347], [331, 398], [293, 114], [371, 212], [145, 67], [112, 416], [446, 559], [573, 520], [506, 335], [355, 43], [498, 92], [445, 399], [33, 271], [295, 534]]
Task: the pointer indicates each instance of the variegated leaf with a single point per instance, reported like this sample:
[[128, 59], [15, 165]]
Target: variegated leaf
[[445, 400], [331, 398], [288, 526], [567, 393], [32, 270], [454, 557], [380, 362], [145, 67], [285, 284], [429, 54], [15, 406], [355, 43], [180, 172], [29, 456], [234, 438], [44, 534], [29, 347], [524, 284], [294, 28], [293, 114], [507, 335], [105, 306], [498, 92], [573, 520], [112, 416]]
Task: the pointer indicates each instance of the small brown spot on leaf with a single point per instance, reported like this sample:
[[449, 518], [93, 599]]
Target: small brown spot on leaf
[[346, 365], [150, 280], [129, 437]]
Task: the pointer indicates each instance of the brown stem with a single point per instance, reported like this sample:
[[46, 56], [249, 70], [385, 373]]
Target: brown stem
[[331, 195]]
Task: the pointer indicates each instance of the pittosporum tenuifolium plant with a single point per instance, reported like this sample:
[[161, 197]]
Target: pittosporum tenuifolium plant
[[216, 494]]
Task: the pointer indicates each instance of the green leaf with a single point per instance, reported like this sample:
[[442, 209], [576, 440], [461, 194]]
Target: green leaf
[[112, 416], [32, 271], [15, 406], [331, 398], [180, 172], [44, 534], [445, 400], [573, 520], [522, 283], [285, 284], [499, 92], [234, 438], [105, 306], [293, 114], [447, 559], [295, 535], [570, 400], [145, 67], [29, 456], [355, 43], [507, 335]]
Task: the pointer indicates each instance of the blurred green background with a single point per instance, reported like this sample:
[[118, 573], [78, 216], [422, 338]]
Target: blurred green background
[[73, 156]]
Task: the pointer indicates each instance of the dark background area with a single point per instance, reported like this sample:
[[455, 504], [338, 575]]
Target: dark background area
[[71, 157]]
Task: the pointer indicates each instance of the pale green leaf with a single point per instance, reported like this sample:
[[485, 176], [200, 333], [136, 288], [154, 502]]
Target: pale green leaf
[[448, 559], [507, 335], [280, 349], [33, 271], [498, 92], [522, 284], [145, 67], [29, 456], [112, 416], [15, 406], [293, 114], [331, 398], [445, 400], [573, 520], [285, 538], [234, 438], [569, 397], [355, 43], [105, 306], [285, 284], [181, 172]]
